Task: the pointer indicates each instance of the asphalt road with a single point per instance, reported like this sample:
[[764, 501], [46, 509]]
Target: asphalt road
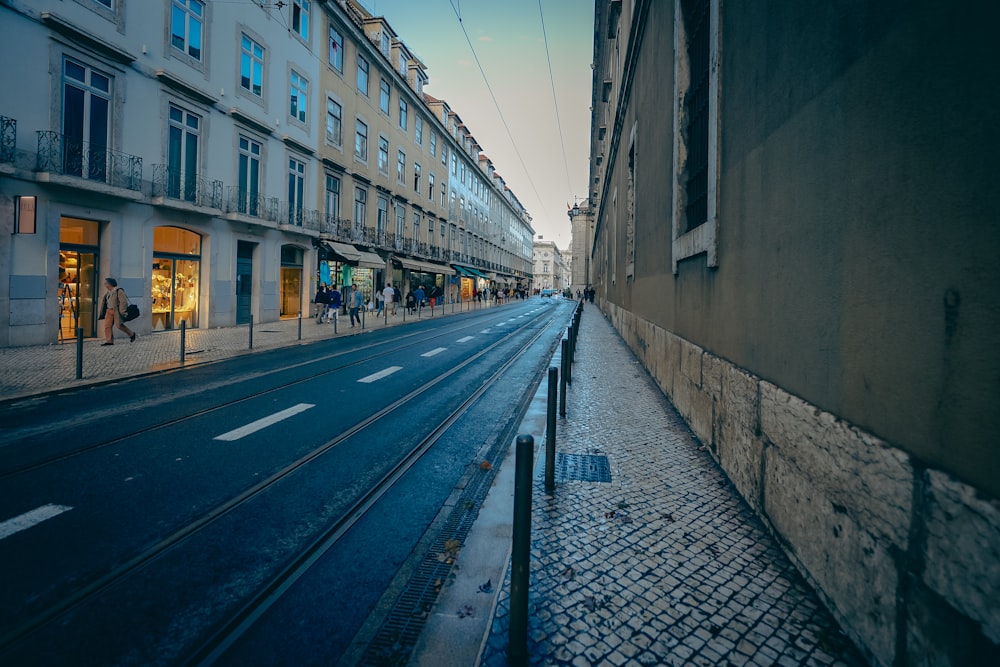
[[136, 518]]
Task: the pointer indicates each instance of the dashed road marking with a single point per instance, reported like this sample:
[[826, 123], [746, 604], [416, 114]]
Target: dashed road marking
[[465, 339], [263, 422], [485, 331], [32, 518], [386, 372], [437, 350]]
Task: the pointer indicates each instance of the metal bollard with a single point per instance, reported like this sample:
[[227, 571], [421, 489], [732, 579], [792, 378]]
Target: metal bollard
[[300, 325], [569, 357], [336, 316], [183, 340], [251, 331], [79, 353], [363, 311], [550, 431], [520, 566], [562, 377]]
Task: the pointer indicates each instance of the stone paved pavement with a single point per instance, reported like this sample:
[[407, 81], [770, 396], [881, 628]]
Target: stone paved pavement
[[663, 565], [25, 371]]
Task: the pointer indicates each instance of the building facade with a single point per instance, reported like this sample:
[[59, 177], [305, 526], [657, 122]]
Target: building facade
[[549, 267], [220, 160], [795, 231], [581, 222]]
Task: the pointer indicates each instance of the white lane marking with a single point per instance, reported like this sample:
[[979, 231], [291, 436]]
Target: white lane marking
[[381, 374], [437, 350], [484, 331], [264, 422], [465, 339], [32, 518]]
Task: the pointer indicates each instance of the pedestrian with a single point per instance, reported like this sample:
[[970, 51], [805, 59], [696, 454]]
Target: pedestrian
[[388, 295], [334, 304], [320, 302], [379, 302], [397, 297], [357, 303], [113, 306], [419, 296], [411, 302]]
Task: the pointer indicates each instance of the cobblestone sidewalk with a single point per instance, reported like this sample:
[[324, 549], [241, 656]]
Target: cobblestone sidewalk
[[663, 565]]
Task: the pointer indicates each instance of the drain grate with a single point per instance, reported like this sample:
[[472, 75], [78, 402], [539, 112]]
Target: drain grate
[[582, 468]]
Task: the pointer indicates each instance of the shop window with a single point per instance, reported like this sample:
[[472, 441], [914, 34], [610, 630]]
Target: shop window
[[175, 278], [78, 261]]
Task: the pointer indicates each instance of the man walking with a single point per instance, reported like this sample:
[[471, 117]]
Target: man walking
[[357, 303], [389, 295], [333, 305]]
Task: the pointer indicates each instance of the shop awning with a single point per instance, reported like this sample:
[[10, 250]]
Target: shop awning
[[425, 267], [346, 251], [370, 260], [470, 272], [462, 271]]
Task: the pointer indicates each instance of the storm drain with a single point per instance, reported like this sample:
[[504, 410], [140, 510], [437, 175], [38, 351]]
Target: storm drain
[[582, 468]]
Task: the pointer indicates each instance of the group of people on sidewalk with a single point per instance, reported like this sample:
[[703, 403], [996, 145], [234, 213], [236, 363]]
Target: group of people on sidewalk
[[328, 302]]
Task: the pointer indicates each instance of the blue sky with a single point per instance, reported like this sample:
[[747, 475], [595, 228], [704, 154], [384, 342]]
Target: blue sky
[[507, 37]]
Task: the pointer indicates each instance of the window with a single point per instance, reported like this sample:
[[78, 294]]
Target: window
[[361, 139], [184, 129], [430, 187], [383, 100], [402, 114], [385, 42], [298, 89], [430, 227], [363, 75], [360, 205], [300, 18], [296, 185], [416, 227], [444, 155], [334, 123], [416, 177], [434, 144], [86, 120], [383, 155], [332, 197], [401, 167], [400, 221], [251, 66], [336, 50], [186, 18], [418, 130], [402, 63], [696, 112], [248, 177], [454, 165], [382, 222]]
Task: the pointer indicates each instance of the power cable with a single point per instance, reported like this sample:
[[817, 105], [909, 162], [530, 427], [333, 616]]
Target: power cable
[[555, 102]]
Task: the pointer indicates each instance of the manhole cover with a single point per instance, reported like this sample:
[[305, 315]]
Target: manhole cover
[[582, 468]]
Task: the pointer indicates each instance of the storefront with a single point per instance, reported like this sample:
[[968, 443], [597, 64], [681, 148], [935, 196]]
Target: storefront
[[291, 280], [78, 257], [176, 278]]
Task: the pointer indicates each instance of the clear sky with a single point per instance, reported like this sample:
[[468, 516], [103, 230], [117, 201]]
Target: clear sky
[[507, 37]]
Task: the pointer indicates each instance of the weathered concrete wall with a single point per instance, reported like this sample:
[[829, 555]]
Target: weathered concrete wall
[[907, 558]]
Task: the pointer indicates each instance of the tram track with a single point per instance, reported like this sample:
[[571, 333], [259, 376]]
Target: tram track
[[55, 426], [250, 611]]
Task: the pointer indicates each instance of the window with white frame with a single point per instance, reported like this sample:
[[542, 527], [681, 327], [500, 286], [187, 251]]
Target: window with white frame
[[86, 120], [402, 63], [382, 220], [416, 177], [444, 155], [296, 188], [251, 66], [298, 92], [383, 97], [361, 139], [183, 137], [434, 144], [362, 75], [696, 131], [360, 205], [336, 50], [332, 197], [383, 155], [418, 130], [248, 176], [334, 122], [186, 22], [416, 227], [400, 221], [430, 186], [401, 167], [300, 18], [402, 113], [385, 42]]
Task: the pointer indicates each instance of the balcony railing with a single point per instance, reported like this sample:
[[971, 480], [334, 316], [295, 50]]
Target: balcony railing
[[8, 139], [64, 155], [177, 184], [252, 204]]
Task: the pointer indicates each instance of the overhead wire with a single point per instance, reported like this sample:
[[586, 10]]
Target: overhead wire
[[555, 101]]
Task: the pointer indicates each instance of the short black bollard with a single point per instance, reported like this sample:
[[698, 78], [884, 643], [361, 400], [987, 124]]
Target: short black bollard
[[251, 332], [520, 565], [569, 357], [562, 377], [363, 311], [336, 316], [183, 340], [300, 325], [550, 431], [79, 353]]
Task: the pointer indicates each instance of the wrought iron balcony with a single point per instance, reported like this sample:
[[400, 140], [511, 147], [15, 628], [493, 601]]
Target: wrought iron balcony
[[8, 139], [252, 204], [60, 154], [184, 186]]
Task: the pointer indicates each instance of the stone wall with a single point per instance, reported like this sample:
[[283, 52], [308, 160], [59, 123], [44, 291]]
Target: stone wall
[[906, 557]]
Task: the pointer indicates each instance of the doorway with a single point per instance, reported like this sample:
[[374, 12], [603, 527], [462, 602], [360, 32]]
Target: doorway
[[78, 256], [244, 281]]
